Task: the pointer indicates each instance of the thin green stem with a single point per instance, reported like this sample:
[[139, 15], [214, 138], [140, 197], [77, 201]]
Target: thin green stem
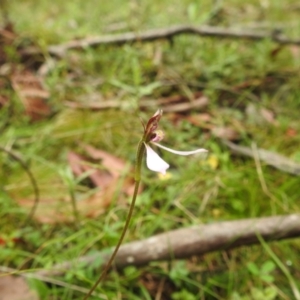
[[281, 266], [33, 182], [74, 205], [139, 158]]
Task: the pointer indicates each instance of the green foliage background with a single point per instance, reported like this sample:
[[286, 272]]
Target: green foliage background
[[233, 190]]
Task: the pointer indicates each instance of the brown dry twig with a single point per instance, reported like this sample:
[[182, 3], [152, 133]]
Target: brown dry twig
[[273, 159], [195, 240], [164, 33], [196, 103]]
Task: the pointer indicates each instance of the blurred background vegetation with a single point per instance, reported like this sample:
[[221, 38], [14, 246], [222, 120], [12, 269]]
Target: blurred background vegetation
[[53, 107]]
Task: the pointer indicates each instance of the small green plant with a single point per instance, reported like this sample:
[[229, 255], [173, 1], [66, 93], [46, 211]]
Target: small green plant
[[263, 272], [184, 294], [267, 293]]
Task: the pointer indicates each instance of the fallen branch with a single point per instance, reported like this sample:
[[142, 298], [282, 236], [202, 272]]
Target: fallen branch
[[165, 33], [197, 103], [195, 240], [270, 158]]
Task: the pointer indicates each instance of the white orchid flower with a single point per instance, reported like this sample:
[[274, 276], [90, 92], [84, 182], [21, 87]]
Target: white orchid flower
[[154, 161], [157, 164]]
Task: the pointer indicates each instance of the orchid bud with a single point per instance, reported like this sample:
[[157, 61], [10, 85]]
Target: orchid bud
[[152, 125]]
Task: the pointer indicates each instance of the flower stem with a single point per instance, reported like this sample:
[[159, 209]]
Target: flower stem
[[139, 158]]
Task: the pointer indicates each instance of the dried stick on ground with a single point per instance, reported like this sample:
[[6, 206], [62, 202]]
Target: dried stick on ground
[[197, 103], [195, 240], [165, 33], [273, 159]]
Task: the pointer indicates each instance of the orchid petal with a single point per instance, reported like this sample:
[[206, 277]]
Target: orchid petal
[[180, 152], [154, 162]]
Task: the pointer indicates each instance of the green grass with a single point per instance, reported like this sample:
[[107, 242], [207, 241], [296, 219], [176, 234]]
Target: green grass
[[126, 73]]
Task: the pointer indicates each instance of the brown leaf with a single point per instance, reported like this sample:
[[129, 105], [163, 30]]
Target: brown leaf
[[114, 165], [97, 203], [93, 202], [260, 115], [50, 210], [15, 288], [226, 133], [79, 165], [291, 132], [295, 51], [3, 100], [110, 162], [268, 115], [32, 94], [200, 120], [112, 168], [59, 210], [76, 163]]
